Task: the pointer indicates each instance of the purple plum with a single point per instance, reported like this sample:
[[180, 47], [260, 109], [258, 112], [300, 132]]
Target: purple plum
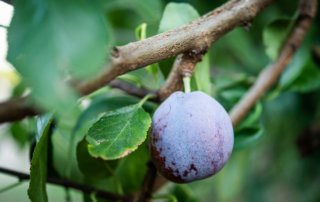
[[191, 137]]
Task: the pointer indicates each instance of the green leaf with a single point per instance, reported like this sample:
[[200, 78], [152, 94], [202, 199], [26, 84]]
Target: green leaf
[[153, 69], [230, 180], [38, 175], [119, 133], [274, 35], [23, 131], [184, 193], [200, 79], [227, 81], [177, 14], [238, 49], [141, 32], [91, 167], [18, 90], [64, 142], [253, 117], [308, 80], [150, 10], [129, 173], [131, 169], [294, 69], [142, 77], [234, 95], [19, 133], [42, 122], [247, 136], [50, 39], [108, 102], [249, 130]]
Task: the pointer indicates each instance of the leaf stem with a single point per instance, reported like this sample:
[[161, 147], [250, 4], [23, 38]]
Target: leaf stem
[[145, 99], [10, 186], [186, 83]]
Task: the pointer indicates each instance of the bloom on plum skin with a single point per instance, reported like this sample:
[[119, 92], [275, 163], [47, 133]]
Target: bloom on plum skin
[[191, 137]]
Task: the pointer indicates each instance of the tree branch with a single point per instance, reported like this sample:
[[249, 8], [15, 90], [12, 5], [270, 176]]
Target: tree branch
[[16, 109], [133, 90], [71, 184], [270, 75], [20, 108], [148, 183], [194, 37], [184, 65]]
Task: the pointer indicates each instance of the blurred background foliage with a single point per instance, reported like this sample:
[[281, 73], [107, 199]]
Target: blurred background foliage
[[276, 156]]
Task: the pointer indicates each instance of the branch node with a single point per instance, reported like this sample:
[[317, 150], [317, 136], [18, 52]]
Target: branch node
[[115, 52]]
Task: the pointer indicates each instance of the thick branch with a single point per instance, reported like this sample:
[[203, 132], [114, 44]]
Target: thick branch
[[270, 75], [194, 37], [71, 184]]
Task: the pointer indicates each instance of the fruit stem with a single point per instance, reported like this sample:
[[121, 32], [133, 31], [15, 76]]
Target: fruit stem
[[186, 83]]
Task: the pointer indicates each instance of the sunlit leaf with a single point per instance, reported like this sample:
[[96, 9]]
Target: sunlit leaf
[[200, 79], [176, 15], [49, 40], [118, 133]]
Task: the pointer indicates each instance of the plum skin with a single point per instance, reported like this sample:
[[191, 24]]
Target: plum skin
[[191, 137]]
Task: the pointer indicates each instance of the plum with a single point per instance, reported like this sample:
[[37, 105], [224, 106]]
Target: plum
[[191, 137]]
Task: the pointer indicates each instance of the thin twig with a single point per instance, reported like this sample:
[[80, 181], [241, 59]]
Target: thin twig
[[133, 90], [148, 183], [184, 65], [270, 75], [71, 184], [20, 108], [17, 109]]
